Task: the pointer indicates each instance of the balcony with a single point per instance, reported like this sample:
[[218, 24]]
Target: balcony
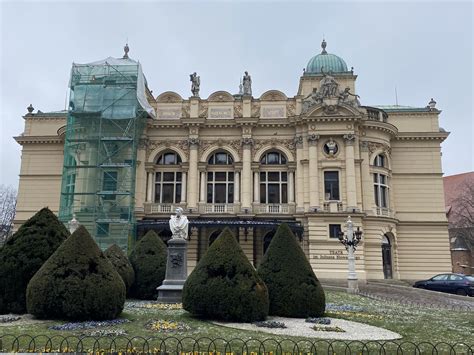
[[333, 206], [218, 208], [154, 208], [384, 212], [274, 208]]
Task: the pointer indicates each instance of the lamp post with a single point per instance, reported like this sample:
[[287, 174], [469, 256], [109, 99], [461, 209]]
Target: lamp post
[[350, 241]]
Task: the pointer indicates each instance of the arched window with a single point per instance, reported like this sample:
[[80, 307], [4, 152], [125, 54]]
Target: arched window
[[380, 161], [273, 179], [168, 181], [213, 236], [169, 158], [220, 158], [220, 180], [273, 158], [267, 239]]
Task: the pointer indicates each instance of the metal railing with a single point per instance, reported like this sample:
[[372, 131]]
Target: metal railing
[[207, 346]]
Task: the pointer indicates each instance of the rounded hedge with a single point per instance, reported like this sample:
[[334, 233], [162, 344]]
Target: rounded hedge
[[225, 286], [121, 264], [148, 260], [293, 288], [77, 282], [23, 254]]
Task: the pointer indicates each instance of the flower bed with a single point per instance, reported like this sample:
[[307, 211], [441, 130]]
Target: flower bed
[[88, 324], [167, 326], [9, 319], [324, 321], [270, 324], [320, 328]]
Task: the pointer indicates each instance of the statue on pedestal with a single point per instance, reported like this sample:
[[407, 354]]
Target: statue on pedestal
[[179, 225]]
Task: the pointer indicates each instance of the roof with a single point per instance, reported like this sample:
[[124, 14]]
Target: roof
[[325, 62], [400, 108]]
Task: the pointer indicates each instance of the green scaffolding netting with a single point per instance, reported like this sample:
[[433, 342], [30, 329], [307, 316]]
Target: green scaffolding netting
[[106, 117]]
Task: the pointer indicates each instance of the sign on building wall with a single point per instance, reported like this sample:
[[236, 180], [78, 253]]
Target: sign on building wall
[[273, 112], [221, 112], [169, 113]]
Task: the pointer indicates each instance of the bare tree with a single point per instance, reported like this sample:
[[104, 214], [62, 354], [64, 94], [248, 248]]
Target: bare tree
[[7, 210], [461, 216]]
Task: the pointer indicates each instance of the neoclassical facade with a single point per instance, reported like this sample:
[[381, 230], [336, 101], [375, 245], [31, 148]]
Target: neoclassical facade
[[252, 163]]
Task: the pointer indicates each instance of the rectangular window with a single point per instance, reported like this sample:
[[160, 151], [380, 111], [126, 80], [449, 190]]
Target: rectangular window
[[263, 193], [209, 193], [167, 193], [102, 229], [220, 193], [331, 185], [284, 193], [230, 193], [273, 193], [334, 230], [109, 184]]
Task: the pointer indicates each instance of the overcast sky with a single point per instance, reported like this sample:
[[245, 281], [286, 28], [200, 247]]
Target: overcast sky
[[424, 49]]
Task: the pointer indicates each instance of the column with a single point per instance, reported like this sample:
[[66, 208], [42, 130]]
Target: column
[[149, 187], [291, 187], [299, 174], [313, 171], [203, 187], [350, 172], [256, 187], [247, 173], [367, 183], [183, 186], [193, 173], [237, 187]]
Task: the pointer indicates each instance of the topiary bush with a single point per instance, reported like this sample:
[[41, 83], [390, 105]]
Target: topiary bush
[[293, 288], [148, 259], [121, 264], [225, 286], [77, 282], [23, 254]]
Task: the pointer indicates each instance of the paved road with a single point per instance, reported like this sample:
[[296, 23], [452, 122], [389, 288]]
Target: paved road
[[406, 294]]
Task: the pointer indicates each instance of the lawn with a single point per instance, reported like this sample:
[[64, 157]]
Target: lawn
[[416, 325]]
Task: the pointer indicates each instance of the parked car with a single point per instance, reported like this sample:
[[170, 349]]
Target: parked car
[[452, 283]]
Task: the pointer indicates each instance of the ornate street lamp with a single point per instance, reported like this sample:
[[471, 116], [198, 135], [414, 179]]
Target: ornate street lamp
[[350, 240]]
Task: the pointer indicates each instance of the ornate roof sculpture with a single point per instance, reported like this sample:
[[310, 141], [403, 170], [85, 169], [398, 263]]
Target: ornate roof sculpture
[[329, 63]]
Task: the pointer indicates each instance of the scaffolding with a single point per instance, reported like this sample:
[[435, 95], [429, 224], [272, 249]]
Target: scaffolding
[[106, 117]]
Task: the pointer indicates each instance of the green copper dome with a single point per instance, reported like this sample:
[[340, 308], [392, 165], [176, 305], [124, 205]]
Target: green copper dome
[[327, 61]]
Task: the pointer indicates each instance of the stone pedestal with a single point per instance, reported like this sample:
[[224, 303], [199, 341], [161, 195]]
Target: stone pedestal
[[176, 272]]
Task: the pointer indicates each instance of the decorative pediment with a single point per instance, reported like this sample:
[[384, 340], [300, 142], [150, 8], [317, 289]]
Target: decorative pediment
[[273, 95], [169, 97], [220, 96], [329, 108]]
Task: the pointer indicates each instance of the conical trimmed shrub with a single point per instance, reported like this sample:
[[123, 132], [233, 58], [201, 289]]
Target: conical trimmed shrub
[[77, 282], [293, 288], [148, 259], [225, 286], [23, 254], [121, 264]]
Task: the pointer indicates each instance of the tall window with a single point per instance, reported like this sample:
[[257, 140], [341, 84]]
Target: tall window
[[381, 190], [109, 185], [220, 180], [70, 181], [273, 180], [168, 180], [331, 185]]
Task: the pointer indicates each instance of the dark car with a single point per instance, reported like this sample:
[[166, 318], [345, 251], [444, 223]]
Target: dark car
[[452, 283]]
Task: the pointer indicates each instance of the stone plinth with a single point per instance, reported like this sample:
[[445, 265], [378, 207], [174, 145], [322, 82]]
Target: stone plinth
[[176, 272]]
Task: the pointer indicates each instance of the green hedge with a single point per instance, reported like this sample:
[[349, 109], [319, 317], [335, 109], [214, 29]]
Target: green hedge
[[294, 289], [225, 286], [121, 264], [23, 254], [148, 259], [77, 282]]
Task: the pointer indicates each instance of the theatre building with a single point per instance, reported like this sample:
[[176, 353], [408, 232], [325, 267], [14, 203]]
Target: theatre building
[[121, 160]]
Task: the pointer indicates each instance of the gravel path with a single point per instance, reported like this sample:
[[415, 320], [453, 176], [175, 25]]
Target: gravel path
[[298, 327]]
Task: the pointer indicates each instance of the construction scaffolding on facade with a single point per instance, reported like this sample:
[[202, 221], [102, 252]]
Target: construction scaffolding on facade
[[107, 113]]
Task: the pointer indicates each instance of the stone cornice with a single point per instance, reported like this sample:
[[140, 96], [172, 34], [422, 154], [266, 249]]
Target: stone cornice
[[38, 139], [46, 117], [381, 126], [422, 136]]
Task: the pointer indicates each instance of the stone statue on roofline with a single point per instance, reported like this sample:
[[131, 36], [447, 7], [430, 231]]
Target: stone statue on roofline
[[195, 84], [345, 97], [247, 84], [179, 225]]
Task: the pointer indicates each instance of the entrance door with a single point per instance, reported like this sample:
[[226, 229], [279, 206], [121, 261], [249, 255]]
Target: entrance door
[[386, 257]]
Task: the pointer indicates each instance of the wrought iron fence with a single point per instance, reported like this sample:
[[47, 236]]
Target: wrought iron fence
[[216, 346]]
